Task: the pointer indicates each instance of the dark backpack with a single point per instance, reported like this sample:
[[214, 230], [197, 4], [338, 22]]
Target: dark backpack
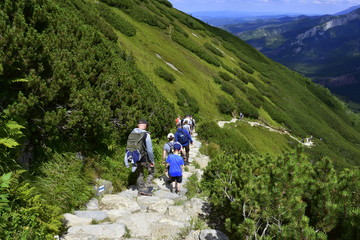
[[136, 147], [182, 136], [171, 146]]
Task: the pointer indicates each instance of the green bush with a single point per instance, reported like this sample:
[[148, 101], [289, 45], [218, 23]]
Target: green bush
[[227, 87], [161, 72], [217, 80], [116, 21], [166, 3], [210, 149], [63, 182], [246, 108], [246, 67], [180, 30], [142, 15], [28, 216], [90, 16], [284, 198], [228, 139], [213, 49], [225, 76], [193, 47], [186, 20], [225, 105], [242, 76], [188, 104]]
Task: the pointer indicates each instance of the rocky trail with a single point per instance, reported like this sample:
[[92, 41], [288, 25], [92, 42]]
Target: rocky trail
[[163, 216]]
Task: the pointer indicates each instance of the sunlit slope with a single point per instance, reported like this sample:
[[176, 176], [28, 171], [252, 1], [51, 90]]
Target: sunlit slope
[[226, 76], [87, 79]]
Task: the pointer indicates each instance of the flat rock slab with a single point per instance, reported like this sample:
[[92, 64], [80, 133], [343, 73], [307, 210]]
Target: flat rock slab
[[167, 229], [115, 201], [93, 204], [114, 214], [129, 193], [178, 213], [169, 195], [73, 220], [161, 205], [141, 224], [211, 234], [102, 231], [161, 184], [96, 215]]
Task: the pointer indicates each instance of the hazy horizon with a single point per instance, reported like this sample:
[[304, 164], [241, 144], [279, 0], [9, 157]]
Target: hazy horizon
[[307, 7]]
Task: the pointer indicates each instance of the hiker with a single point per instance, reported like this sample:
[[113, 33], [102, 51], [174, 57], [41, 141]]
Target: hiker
[[139, 152], [176, 167], [192, 124], [178, 120], [183, 137], [168, 148], [187, 125]]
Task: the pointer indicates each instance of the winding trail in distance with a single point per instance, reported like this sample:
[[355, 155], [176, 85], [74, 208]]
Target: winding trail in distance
[[307, 143]]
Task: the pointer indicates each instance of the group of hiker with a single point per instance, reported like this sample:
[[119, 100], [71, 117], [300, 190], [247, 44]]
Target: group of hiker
[[139, 154]]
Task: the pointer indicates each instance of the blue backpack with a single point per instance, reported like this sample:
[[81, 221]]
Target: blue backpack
[[182, 136]]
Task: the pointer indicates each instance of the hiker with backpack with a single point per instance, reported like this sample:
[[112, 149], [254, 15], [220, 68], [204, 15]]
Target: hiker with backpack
[[168, 148], [187, 125], [183, 137], [175, 164], [139, 152], [192, 124]]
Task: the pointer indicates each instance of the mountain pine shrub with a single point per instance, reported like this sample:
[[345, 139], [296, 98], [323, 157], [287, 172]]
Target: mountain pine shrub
[[187, 103], [116, 21], [225, 76], [164, 74], [225, 105], [213, 49], [286, 197]]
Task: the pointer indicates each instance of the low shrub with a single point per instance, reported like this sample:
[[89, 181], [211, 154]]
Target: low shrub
[[225, 105], [166, 3], [116, 21], [225, 76], [187, 103], [227, 87], [193, 47], [213, 49], [210, 149], [246, 108], [63, 182], [161, 72], [29, 216]]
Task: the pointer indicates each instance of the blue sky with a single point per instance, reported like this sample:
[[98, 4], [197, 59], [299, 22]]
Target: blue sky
[[266, 6]]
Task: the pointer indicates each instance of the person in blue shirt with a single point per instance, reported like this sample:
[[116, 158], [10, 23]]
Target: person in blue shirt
[[184, 138], [175, 164]]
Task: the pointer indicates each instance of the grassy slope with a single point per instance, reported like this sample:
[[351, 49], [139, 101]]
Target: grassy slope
[[296, 98], [194, 71]]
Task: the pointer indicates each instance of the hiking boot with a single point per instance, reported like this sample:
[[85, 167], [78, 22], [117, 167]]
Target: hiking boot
[[143, 193]]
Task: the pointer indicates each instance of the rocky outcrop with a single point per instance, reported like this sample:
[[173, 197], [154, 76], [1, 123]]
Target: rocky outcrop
[[126, 215], [331, 23]]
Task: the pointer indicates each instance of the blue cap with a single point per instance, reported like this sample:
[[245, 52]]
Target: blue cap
[[177, 146]]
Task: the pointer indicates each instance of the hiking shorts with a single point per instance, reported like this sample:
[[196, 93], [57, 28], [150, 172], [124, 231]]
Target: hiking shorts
[[176, 179]]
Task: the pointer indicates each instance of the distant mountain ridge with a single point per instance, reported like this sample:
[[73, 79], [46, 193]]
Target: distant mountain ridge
[[325, 48], [348, 10]]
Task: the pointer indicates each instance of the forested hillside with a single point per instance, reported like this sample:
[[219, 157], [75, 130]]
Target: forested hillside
[[76, 76]]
